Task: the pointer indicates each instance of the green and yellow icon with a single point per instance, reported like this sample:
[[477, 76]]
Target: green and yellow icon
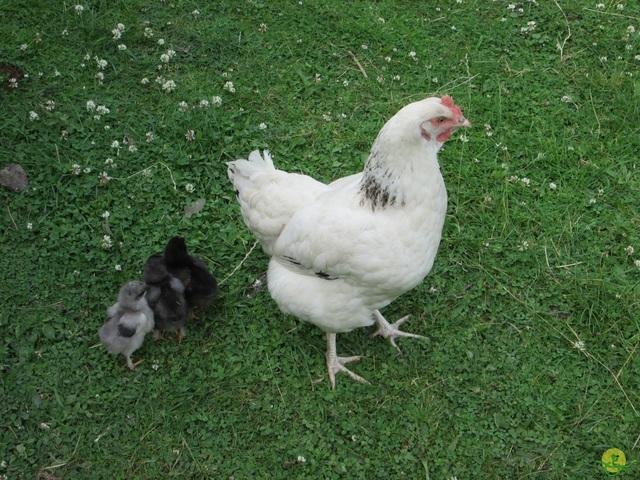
[[614, 461]]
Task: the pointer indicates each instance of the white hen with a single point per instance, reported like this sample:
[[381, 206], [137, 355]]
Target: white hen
[[340, 252]]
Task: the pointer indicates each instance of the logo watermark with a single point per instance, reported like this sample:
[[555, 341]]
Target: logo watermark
[[614, 461]]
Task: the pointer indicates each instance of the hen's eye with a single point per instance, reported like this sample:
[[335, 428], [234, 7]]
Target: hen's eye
[[441, 119]]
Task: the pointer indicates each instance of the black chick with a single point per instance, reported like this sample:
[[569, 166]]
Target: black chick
[[165, 294], [201, 288]]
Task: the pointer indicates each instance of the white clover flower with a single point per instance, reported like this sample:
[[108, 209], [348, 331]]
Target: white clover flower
[[119, 268], [523, 246], [195, 13], [381, 20], [190, 135], [364, 47], [102, 64], [345, 83], [79, 9], [115, 144], [620, 6], [33, 116], [169, 86], [148, 32], [100, 76], [525, 181], [161, 41], [102, 110], [301, 459], [23, 47], [144, 81], [189, 188], [565, 98], [104, 177], [592, 201], [150, 137], [75, 169], [110, 163], [630, 250], [637, 263], [262, 126], [116, 34], [183, 106], [553, 186], [122, 46], [204, 103], [217, 101], [412, 54], [29, 226], [229, 87], [50, 105], [106, 242], [631, 29], [580, 345], [120, 26], [164, 58], [263, 27], [106, 215], [133, 148]]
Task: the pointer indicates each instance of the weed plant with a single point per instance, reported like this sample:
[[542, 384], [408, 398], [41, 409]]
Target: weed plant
[[124, 113]]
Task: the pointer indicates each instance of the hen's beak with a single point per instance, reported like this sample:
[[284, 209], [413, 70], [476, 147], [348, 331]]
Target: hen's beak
[[463, 122]]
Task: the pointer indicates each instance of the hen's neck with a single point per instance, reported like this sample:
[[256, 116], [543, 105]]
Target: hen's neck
[[394, 175]]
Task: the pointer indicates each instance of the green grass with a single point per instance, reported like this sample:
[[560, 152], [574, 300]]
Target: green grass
[[503, 388]]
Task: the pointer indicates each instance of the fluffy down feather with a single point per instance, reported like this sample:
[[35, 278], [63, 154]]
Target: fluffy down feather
[[130, 319], [340, 252]]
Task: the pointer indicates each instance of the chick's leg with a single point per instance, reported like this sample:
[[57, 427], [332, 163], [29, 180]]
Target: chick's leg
[[335, 363], [391, 331], [132, 366]]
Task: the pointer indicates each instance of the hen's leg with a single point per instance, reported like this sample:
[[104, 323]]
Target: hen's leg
[[335, 363], [391, 331]]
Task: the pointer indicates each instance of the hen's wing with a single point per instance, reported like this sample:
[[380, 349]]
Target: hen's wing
[[388, 251], [269, 197]]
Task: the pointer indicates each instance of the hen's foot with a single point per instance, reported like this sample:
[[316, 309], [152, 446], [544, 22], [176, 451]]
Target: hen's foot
[[391, 331], [335, 363], [157, 335]]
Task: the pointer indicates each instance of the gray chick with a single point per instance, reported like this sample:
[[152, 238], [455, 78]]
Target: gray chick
[[130, 319], [165, 294]]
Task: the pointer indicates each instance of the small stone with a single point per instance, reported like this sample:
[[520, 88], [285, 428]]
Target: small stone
[[14, 178]]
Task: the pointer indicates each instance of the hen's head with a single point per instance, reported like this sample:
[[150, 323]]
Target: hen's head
[[432, 120]]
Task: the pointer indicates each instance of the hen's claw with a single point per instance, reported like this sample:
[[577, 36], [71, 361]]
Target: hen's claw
[[335, 363], [391, 331]]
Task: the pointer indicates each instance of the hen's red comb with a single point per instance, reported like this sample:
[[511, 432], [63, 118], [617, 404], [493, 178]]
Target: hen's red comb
[[448, 102]]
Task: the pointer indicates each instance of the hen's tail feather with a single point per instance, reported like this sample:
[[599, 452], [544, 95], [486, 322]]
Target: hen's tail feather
[[256, 163]]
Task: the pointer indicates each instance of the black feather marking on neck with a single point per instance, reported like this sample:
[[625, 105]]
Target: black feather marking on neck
[[324, 276], [377, 185]]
